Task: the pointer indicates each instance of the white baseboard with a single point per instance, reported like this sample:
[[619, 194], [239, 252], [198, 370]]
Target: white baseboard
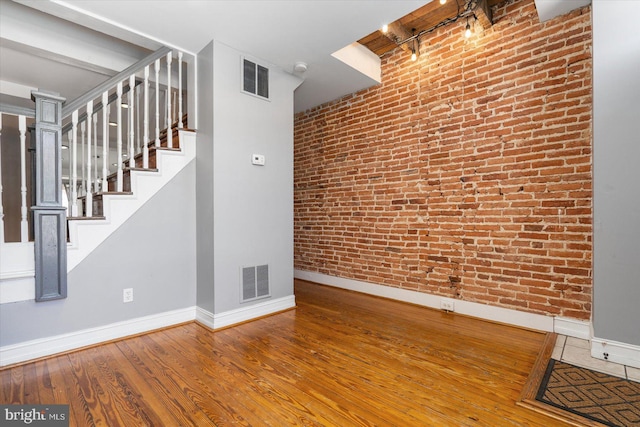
[[60, 343], [243, 314], [572, 327], [617, 352], [481, 311]]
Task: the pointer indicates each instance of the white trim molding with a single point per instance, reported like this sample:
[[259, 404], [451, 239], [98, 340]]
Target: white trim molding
[[617, 352], [572, 327], [34, 349], [481, 311], [243, 314]]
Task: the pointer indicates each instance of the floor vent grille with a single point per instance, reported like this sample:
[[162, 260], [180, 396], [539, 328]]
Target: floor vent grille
[[255, 282]]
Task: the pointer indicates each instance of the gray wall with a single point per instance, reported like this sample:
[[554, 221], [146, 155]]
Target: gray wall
[[153, 253], [204, 180], [616, 66], [252, 205]]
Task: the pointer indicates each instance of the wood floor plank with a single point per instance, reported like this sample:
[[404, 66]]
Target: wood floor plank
[[254, 361], [362, 404], [166, 387], [401, 379], [60, 367], [339, 359], [247, 390], [214, 387]]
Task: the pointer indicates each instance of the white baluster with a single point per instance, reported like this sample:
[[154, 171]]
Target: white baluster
[[89, 195], [24, 225], [1, 208], [169, 118], [138, 132], [132, 154], [145, 138], [96, 179], [83, 134], [119, 139], [74, 164], [180, 124], [157, 70], [105, 141]]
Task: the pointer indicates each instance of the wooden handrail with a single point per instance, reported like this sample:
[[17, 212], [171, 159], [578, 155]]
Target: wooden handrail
[[70, 107]]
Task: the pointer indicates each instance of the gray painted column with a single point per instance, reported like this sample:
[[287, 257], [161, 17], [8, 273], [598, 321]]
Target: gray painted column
[[49, 214]]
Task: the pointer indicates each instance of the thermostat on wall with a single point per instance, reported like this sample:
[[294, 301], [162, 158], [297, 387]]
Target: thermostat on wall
[[257, 159]]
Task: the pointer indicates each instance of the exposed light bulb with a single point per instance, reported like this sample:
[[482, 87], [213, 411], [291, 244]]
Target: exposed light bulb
[[385, 29], [414, 56], [443, 1], [467, 31]]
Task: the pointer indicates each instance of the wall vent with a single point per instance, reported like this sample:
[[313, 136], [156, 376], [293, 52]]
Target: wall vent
[[255, 283], [255, 79]]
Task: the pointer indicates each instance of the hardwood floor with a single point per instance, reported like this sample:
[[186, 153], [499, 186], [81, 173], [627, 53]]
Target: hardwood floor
[[339, 359]]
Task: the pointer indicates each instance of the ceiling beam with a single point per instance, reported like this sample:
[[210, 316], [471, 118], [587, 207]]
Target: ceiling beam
[[483, 13], [398, 33]]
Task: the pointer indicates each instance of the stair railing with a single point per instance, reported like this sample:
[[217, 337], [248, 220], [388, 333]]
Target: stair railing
[[94, 154], [110, 127], [24, 118]]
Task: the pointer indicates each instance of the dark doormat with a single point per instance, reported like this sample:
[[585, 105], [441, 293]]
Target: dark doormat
[[606, 399]]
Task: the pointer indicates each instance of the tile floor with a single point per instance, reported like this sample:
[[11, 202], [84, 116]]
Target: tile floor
[[577, 352]]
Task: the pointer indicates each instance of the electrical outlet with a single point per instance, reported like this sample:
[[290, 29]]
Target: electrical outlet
[[127, 295], [447, 304]]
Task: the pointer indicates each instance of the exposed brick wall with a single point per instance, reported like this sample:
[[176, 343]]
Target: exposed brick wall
[[466, 174]]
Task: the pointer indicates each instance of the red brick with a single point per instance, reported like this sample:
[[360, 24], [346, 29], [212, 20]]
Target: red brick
[[467, 173]]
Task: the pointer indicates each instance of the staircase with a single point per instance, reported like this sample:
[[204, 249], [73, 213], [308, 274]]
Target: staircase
[[101, 199], [112, 208]]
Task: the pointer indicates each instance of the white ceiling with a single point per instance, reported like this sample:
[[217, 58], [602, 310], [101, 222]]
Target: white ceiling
[[549, 9], [280, 32]]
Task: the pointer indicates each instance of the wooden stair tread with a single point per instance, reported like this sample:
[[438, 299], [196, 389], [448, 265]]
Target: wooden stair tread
[[112, 193], [143, 169], [102, 193], [85, 218], [97, 199], [114, 175]]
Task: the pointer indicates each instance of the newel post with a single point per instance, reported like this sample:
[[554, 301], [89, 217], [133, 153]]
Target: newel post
[[49, 213]]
